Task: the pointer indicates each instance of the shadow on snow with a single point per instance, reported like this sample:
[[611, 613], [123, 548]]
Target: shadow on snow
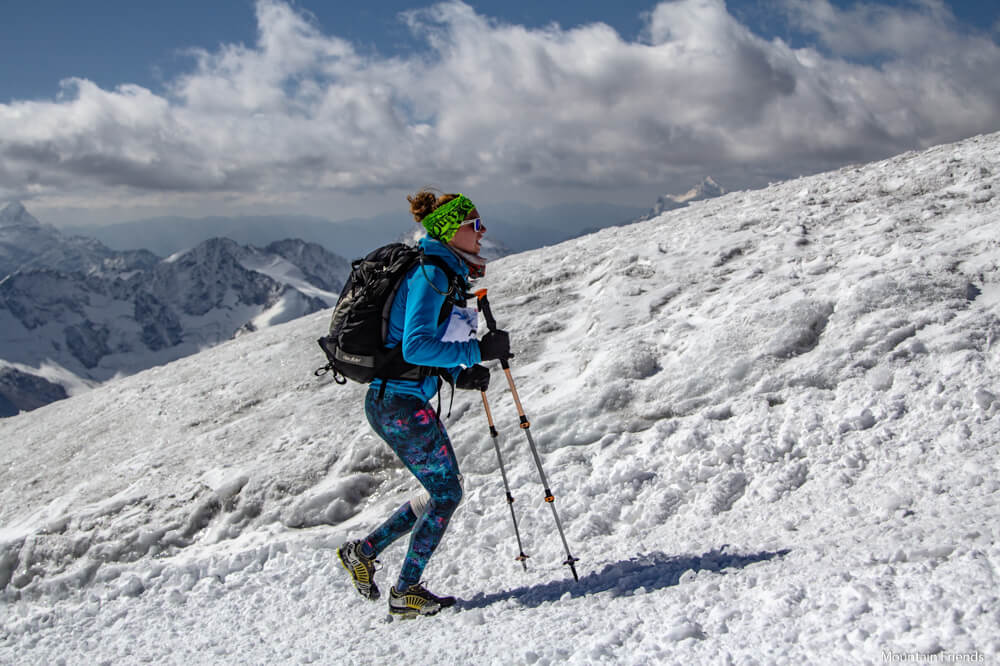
[[650, 572]]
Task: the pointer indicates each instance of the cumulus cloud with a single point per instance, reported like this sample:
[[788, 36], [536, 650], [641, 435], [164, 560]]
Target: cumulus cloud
[[487, 103]]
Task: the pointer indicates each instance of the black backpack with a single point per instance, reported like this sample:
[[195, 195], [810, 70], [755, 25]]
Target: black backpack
[[355, 346]]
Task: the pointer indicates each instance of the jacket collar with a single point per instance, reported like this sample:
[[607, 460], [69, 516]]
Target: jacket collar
[[432, 246]]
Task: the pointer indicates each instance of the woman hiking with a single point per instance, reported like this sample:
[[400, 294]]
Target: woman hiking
[[438, 335]]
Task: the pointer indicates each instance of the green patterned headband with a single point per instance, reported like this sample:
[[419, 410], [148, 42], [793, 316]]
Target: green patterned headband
[[443, 222]]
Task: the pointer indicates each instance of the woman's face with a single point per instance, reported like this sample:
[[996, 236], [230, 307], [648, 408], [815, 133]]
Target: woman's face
[[467, 238]]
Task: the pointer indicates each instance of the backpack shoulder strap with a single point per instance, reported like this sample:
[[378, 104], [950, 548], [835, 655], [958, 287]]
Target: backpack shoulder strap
[[457, 287], [424, 259]]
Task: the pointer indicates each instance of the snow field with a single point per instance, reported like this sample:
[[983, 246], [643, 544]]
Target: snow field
[[769, 421]]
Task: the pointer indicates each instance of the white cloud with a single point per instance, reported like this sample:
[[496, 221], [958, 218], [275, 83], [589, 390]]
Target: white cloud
[[867, 29], [495, 106]]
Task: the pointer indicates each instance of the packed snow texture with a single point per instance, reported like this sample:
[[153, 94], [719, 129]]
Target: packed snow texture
[[769, 421]]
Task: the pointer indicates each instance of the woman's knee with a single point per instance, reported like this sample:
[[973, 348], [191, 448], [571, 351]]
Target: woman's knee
[[446, 499]]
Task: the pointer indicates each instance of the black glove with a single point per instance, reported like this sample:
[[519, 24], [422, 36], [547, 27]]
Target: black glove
[[495, 345], [476, 377]]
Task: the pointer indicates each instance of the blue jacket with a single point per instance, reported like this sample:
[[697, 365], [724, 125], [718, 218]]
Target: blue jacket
[[413, 320]]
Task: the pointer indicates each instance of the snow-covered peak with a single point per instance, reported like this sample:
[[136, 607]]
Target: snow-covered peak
[[706, 189], [27, 244], [214, 247], [15, 214]]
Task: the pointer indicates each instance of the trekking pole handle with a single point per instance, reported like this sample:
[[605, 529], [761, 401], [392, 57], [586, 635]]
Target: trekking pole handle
[[484, 307], [491, 322]]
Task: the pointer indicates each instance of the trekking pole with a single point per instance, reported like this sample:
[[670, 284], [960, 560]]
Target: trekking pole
[[503, 472], [491, 323]]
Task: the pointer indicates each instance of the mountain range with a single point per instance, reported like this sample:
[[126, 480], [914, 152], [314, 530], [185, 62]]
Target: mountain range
[[74, 313]]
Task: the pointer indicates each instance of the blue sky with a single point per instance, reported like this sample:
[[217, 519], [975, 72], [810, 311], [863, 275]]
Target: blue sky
[[112, 109], [121, 41]]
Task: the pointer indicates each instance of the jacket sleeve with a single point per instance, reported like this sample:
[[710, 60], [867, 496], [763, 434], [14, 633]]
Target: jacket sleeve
[[422, 343]]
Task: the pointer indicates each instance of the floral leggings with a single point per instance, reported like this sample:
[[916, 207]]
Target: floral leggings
[[411, 428]]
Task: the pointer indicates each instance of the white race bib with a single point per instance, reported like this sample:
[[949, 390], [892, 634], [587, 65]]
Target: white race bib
[[463, 325]]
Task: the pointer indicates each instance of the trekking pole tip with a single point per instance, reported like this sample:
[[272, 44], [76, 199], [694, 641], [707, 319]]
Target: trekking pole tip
[[571, 561]]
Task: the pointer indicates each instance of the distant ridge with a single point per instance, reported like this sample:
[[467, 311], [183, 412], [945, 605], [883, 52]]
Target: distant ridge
[[706, 189]]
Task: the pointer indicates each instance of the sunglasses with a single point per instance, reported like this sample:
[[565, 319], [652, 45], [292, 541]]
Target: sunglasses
[[477, 224]]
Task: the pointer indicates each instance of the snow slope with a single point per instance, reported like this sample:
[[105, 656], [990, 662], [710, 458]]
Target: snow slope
[[769, 420]]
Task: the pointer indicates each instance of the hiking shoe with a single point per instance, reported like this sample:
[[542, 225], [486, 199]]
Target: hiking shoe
[[361, 568], [416, 600]]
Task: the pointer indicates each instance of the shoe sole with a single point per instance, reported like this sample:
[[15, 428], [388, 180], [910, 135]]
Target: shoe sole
[[410, 614]]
